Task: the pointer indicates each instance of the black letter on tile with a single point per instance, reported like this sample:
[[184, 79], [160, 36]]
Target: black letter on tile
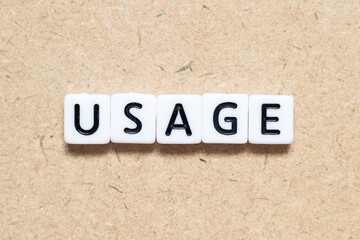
[[265, 118], [77, 120], [133, 118], [178, 108], [232, 120]]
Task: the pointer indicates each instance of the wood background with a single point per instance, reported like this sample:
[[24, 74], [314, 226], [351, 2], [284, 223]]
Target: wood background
[[308, 49]]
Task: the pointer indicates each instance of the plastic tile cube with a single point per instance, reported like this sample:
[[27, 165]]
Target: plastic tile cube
[[133, 118], [271, 119], [178, 119], [87, 119], [225, 118]]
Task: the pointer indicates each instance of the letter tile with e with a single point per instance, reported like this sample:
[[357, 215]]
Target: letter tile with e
[[271, 119]]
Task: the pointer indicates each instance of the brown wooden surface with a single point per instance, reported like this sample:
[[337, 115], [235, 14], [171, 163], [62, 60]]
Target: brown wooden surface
[[308, 190]]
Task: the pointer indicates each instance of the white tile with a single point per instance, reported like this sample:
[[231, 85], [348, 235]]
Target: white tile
[[225, 118], [271, 119], [175, 111], [133, 118], [87, 119]]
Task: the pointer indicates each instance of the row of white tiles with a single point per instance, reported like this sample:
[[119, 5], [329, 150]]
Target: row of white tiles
[[178, 119]]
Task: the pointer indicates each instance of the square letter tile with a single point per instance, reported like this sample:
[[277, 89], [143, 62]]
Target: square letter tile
[[178, 119], [133, 118], [87, 119], [271, 119], [225, 118]]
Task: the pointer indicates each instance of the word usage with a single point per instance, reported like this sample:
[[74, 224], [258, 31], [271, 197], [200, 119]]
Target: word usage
[[178, 119]]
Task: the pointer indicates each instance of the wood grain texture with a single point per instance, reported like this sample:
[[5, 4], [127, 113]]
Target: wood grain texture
[[308, 49]]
